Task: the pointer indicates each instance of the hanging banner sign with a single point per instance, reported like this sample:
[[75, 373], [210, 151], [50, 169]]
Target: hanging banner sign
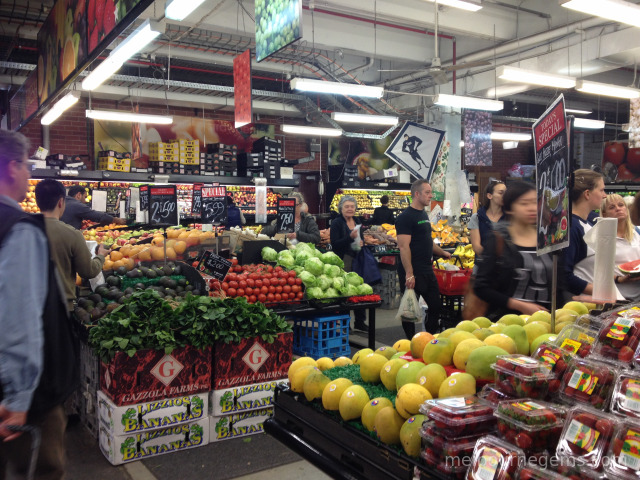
[[416, 149]]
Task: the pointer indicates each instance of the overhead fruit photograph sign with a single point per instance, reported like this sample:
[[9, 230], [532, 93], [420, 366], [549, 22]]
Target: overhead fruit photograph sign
[[278, 24], [242, 89]]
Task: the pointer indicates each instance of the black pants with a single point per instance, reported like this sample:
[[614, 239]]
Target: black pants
[[360, 316], [427, 288]]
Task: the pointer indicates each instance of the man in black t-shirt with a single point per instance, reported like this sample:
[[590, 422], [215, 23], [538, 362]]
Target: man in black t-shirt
[[416, 252]]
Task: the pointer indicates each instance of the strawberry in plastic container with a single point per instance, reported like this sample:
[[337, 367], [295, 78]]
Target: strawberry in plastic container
[[441, 449], [492, 395], [522, 376], [556, 360], [459, 416], [624, 453], [588, 382], [494, 459], [625, 400], [618, 339]]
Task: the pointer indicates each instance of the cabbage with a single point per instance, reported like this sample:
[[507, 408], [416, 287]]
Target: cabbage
[[286, 259], [269, 254], [308, 279], [303, 255], [305, 246], [315, 292], [338, 283], [349, 290], [298, 269], [332, 271], [314, 266], [324, 282], [330, 293], [353, 278], [317, 253], [365, 289], [331, 258]]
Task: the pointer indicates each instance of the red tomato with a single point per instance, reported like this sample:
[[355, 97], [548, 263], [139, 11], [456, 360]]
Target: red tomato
[[614, 153], [291, 280], [248, 291], [231, 276], [300, 295], [272, 289], [262, 298], [286, 288], [254, 276], [253, 299], [234, 261], [241, 292], [264, 290], [225, 286], [238, 268], [633, 160], [292, 273], [258, 283], [268, 275], [251, 282], [278, 268], [278, 297], [269, 268], [242, 284], [233, 284], [282, 282], [298, 281], [271, 297], [285, 296], [295, 289], [231, 292]]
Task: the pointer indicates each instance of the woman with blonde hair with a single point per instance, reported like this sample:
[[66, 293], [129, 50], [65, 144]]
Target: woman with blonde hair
[[627, 243]]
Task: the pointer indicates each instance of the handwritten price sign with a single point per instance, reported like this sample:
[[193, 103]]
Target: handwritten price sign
[[196, 199], [144, 197], [214, 265], [163, 205], [286, 215], [214, 205]]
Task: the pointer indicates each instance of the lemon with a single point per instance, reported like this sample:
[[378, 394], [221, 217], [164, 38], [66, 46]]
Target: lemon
[[333, 391]]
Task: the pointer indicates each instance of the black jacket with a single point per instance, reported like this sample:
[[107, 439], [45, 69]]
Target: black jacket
[[308, 231], [75, 212], [340, 237], [382, 215]]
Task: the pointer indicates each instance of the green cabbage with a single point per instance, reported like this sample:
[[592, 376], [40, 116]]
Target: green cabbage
[[269, 254], [315, 292], [286, 259], [308, 279], [349, 290], [324, 282], [317, 253], [314, 266], [331, 293], [331, 258], [298, 269], [365, 289], [303, 255], [332, 271], [353, 278], [338, 283]]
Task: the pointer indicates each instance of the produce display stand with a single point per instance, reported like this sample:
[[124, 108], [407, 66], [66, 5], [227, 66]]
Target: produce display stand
[[339, 450]]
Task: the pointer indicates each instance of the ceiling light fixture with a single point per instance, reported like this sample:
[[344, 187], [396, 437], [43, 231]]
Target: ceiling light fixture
[[472, 103], [337, 88], [363, 118], [578, 111], [533, 77], [470, 6], [607, 89], [181, 9], [616, 10], [129, 117], [587, 123], [510, 137], [59, 107], [140, 38], [509, 145], [319, 131]]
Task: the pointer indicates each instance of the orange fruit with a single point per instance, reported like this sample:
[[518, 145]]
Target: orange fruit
[[171, 243], [180, 247], [171, 254], [157, 253], [157, 241], [116, 255], [183, 235], [128, 263], [117, 264], [126, 250], [144, 255], [173, 232], [108, 265]]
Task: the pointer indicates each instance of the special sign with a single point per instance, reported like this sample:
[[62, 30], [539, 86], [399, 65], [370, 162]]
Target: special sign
[[552, 178], [214, 205], [163, 205]]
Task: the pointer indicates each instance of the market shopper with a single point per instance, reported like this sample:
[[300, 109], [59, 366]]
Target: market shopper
[[38, 364], [579, 259], [67, 245], [489, 214], [235, 218], [416, 254], [305, 226], [77, 210], [511, 276], [346, 242], [627, 244], [383, 213]]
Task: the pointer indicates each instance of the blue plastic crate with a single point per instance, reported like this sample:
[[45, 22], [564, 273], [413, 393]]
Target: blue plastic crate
[[321, 336]]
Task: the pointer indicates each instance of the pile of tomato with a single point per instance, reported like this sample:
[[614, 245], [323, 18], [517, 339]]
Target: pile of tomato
[[259, 283]]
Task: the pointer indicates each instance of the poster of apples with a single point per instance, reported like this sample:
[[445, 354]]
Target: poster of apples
[[103, 16], [62, 45], [368, 155], [621, 163]]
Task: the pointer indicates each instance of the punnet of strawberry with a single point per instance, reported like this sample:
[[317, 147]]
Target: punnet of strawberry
[[577, 340], [496, 459], [586, 436], [625, 399], [442, 449], [556, 360], [588, 382], [534, 426], [624, 452], [618, 339], [453, 468], [522, 376], [492, 395], [459, 416]]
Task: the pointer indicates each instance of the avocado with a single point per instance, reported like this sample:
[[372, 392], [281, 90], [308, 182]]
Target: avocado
[[95, 298], [112, 306], [182, 282], [151, 273], [95, 314], [83, 302], [113, 281], [162, 295], [102, 285], [144, 270], [131, 274], [177, 270], [183, 294], [129, 291], [122, 270], [167, 270], [83, 316], [139, 286], [101, 305], [179, 289], [159, 271], [196, 292], [171, 283], [189, 288]]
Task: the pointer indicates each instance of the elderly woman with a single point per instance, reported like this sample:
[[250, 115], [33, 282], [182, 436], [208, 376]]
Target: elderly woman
[[346, 241], [305, 226]]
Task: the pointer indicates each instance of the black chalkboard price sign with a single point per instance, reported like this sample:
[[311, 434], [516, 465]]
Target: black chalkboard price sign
[[214, 265], [163, 205], [286, 215], [196, 200], [144, 197], [214, 205]]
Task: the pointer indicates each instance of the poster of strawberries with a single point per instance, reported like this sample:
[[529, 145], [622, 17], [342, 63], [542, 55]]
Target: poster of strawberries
[[242, 89], [62, 45], [103, 16]]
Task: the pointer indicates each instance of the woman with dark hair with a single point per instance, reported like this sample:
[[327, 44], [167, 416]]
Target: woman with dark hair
[[383, 214], [511, 276], [235, 218], [489, 214]]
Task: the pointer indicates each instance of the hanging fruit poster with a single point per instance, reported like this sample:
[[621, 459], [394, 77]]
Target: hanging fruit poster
[[242, 89], [103, 16], [367, 155], [478, 149]]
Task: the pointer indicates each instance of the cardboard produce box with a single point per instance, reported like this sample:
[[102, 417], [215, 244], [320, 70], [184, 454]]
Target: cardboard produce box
[[251, 361], [237, 425], [151, 415], [152, 375], [242, 399], [127, 448]]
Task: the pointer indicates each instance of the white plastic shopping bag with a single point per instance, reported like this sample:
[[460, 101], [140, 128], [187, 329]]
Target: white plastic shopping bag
[[410, 310]]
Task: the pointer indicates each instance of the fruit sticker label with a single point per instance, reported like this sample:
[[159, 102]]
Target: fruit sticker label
[[620, 328], [570, 346], [528, 406], [488, 464], [522, 361], [549, 358], [582, 436], [583, 337], [583, 382], [631, 400], [633, 312], [630, 454]]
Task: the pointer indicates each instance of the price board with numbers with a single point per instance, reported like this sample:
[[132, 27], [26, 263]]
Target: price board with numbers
[[163, 205], [286, 215], [214, 205], [144, 197], [196, 201], [214, 265]]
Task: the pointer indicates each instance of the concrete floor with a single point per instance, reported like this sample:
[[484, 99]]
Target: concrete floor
[[249, 458]]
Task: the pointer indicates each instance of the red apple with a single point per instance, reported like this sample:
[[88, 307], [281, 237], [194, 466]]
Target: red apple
[[614, 153], [633, 159]]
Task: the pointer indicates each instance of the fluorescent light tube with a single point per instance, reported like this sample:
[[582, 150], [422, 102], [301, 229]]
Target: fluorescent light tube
[[587, 123], [616, 10], [472, 103], [59, 107], [509, 145], [140, 38], [337, 88], [129, 117], [533, 77], [607, 89], [321, 132], [181, 9], [577, 111], [469, 6], [510, 137], [363, 118]]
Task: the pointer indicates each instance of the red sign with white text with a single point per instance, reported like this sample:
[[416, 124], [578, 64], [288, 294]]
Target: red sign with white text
[[242, 89]]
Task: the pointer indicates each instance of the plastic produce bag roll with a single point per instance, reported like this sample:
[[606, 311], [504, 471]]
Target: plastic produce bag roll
[[602, 239]]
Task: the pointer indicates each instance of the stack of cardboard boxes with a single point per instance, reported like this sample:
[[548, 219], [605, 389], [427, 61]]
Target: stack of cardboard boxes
[[271, 151], [164, 157], [114, 161], [60, 161], [220, 160], [189, 156]]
